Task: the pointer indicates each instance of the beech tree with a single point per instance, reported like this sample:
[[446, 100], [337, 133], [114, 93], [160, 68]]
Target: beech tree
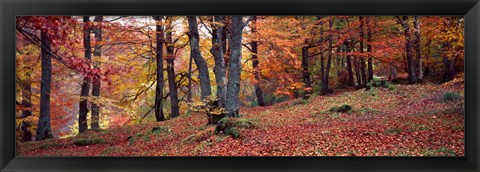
[[170, 69], [97, 53], [44, 130], [197, 57], [235, 66], [159, 39], [218, 55], [83, 107], [255, 62]]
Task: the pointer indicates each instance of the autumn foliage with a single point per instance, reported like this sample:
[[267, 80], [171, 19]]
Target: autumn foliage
[[240, 85]]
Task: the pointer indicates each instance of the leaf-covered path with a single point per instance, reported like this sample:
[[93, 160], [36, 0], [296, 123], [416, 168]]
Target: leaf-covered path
[[410, 120]]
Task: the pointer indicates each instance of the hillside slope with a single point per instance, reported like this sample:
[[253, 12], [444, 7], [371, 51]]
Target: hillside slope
[[411, 120]]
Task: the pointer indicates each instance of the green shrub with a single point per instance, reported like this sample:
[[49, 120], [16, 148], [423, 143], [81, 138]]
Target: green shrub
[[451, 96]]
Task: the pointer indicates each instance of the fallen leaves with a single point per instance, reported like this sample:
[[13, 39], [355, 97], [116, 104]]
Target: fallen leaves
[[410, 121]]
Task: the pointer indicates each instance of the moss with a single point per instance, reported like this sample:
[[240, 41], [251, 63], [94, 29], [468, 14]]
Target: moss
[[451, 96], [232, 131], [51, 145], [160, 130], [393, 131], [343, 108], [88, 141]]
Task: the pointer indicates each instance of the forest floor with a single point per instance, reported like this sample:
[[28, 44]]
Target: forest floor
[[411, 120]]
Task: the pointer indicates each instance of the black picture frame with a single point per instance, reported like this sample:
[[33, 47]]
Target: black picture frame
[[11, 8]]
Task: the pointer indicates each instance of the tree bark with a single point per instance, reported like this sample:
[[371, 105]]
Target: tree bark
[[416, 24], [255, 62], [83, 108], [412, 77], [448, 70], [44, 130], [171, 73], [27, 106], [362, 58], [329, 60], [203, 74], [159, 36], [234, 68], [349, 64], [393, 73], [189, 91], [306, 74], [369, 50], [97, 53], [217, 52]]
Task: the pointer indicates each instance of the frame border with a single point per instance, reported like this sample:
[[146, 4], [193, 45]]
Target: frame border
[[11, 8]]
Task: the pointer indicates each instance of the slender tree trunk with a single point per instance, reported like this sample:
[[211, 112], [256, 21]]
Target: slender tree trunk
[[416, 24], [358, 74], [393, 72], [448, 71], [306, 73], [44, 130], [322, 59], [97, 53], [159, 36], [217, 52], [349, 65], [83, 108], [255, 62], [329, 60], [171, 73], [203, 74], [362, 58], [27, 106], [412, 77], [369, 50], [189, 91], [234, 68]]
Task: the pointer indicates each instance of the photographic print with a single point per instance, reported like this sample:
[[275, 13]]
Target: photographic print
[[239, 86]]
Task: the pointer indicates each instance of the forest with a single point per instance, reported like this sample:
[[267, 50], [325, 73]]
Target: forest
[[240, 86]]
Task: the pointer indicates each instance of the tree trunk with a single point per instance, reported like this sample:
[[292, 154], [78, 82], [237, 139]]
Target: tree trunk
[[393, 73], [159, 36], [369, 50], [255, 62], [27, 106], [197, 57], [234, 68], [305, 73], [322, 60], [44, 130], [349, 64], [329, 60], [217, 52], [189, 91], [171, 73], [362, 58], [448, 71], [97, 53], [416, 24], [412, 77], [356, 62], [83, 108]]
